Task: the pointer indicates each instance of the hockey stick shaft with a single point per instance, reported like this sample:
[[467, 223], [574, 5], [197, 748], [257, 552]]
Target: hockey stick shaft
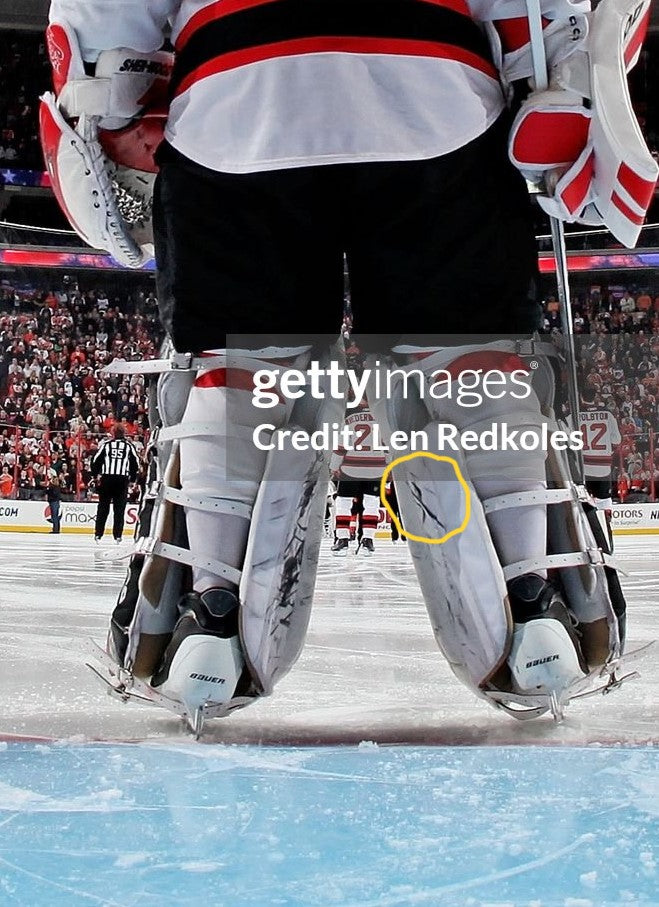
[[541, 77]]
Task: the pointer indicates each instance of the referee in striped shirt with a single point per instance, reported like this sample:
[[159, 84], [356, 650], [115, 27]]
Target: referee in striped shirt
[[115, 466]]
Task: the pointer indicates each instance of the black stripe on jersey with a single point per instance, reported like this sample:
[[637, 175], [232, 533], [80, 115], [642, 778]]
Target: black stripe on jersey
[[286, 20], [117, 458]]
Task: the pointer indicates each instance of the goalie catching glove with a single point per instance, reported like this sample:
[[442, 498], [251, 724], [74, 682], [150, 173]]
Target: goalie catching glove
[[581, 136], [98, 135]]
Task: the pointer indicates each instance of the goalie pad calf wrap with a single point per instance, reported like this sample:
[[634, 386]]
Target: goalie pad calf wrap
[[148, 600], [464, 578]]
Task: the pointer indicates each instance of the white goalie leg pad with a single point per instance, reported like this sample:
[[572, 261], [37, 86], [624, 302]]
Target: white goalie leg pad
[[586, 578], [582, 563], [253, 515], [461, 579], [279, 572], [222, 465], [286, 530], [513, 513]]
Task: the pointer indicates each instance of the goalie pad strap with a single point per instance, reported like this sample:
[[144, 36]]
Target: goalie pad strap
[[190, 362], [201, 430], [191, 430], [177, 362], [530, 347], [593, 557], [528, 498], [152, 547], [206, 504]]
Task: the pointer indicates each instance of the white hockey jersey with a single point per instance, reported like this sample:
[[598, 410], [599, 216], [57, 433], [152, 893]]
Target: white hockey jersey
[[269, 84], [601, 435], [362, 460]]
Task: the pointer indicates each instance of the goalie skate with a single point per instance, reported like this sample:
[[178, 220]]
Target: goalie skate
[[600, 681], [121, 684], [546, 652]]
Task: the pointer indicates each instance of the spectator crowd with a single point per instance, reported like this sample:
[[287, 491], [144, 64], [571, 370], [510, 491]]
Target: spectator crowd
[[55, 405], [617, 347], [24, 75]]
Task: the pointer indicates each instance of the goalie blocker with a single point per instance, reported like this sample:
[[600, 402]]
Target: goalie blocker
[[581, 135]]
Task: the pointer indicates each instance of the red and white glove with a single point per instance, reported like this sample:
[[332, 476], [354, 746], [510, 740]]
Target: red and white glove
[[98, 135], [581, 136]]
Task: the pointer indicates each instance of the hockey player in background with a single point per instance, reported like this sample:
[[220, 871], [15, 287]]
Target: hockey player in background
[[601, 435], [357, 470], [297, 133]]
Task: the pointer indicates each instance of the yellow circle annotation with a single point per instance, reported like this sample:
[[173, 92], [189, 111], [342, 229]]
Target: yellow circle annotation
[[458, 475]]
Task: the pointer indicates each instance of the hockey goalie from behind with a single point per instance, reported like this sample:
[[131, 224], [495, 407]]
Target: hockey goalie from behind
[[298, 136]]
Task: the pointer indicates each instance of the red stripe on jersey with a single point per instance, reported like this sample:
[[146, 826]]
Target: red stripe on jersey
[[514, 33], [486, 360], [458, 6], [330, 44], [574, 194], [226, 7], [626, 210], [364, 459], [235, 378], [210, 14], [637, 38], [640, 190]]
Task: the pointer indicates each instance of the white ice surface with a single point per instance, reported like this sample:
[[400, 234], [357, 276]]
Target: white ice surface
[[370, 671]]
